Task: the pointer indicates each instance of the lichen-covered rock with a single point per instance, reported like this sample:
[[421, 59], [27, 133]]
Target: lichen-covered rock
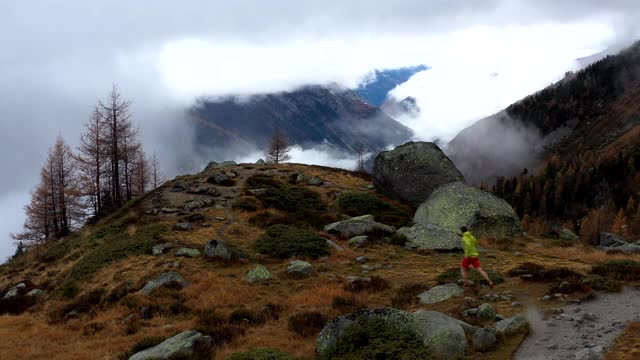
[[512, 326], [299, 269], [13, 292], [411, 172], [181, 345], [457, 204], [357, 226], [35, 293], [160, 249], [216, 249], [315, 181], [197, 204], [484, 340], [611, 240], [188, 252], [430, 237], [260, 162], [258, 274], [170, 279], [440, 293], [184, 226], [214, 165], [443, 334], [358, 241], [486, 312], [336, 328]]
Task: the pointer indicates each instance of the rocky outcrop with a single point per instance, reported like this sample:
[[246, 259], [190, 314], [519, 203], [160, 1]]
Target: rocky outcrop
[[214, 165], [411, 172], [430, 237], [486, 312], [182, 345], [440, 293], [170, 280], [216, 249], [358, 226], [15, 291], [457, 204]]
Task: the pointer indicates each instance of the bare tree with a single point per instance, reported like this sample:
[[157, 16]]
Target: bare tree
[[141, 173], [278, 148], [91, 159], [156, 176], [361, 153]]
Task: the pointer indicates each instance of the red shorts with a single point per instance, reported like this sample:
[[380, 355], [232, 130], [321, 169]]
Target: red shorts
[[470, 261]]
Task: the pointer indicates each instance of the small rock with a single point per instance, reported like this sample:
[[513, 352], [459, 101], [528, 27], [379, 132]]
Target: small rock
[[516, 304], [258, 191], [315, 181], [499, 317], [13, 292], [334, 245], [180, 346], [160, 249], [594, 353], [259, 274], [170, 279], [216, 249], [299, 269], [188, 252], [35, 293], [72, 315], [470, 312], [546, 298], [587, 316], [471, 302], [511, 326], [440, 293], [169, 210], [486, 311], [361, 259], [564, 286], [185, 226], [358, 241]]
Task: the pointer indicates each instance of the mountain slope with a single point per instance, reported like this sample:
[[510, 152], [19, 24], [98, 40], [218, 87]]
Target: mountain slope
[[310, 116], [592, 110], [376, 90]]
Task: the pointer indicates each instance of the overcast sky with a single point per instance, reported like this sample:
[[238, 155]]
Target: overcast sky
[[59, 57]]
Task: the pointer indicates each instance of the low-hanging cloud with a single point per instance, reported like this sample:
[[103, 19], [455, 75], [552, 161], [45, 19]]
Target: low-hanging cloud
[[57, 59]]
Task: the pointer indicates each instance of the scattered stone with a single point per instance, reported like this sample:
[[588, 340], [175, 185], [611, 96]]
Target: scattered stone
[[260, 191], [499, 317], [170, 279], [258, 274], [485, 340], [361, 259], [184, 226], [411, 172], [471, 302], [13, 292], [180, 346], [470, 312], [430, 237], [214, 165], [188, 252], [440, 293], [563, 233], [358, 241], [486, 312], [197, 204], [491, 297], [231, 174], [516, 304], [315, 181], [216, 249], [218, 179], [357, 226], [169, 210], [35, 293], [594, 353], [457, 204], [511, 326], [160, 249], [587, 316], [611, 240], [546, 298], [334, 245], [299, 269], [73, 314], [260, 162]]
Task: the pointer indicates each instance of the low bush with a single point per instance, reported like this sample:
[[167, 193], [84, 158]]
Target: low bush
[[92, 329], [600, 283], [246, 204], [628, 270], [70, 289], [221, 332], [372, 338], [453, 275], [407, 295], [246, 317], [538, 273], [372, 284], [282, 241], [570, 286], [346, 304], [356, 204], [307, 324], [399, 239], [261, 354]]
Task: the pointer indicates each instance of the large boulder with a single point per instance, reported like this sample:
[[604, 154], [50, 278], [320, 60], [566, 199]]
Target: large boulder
[[180, 346], [357, 226], [170, 279], [442, 334], [216, 249], [512, 326], [430, 237], [411, 172], [335, 329], [440, 293], [457, 204], [485, 339], [611, 240]]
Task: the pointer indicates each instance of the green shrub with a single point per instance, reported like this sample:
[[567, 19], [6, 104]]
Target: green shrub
[[600, 283], [116, 246], [356, 204], [407, 295], [246, 204], [307, 324], [453, 275], [70, 290], [261, 354], [221, 332], [282, 241], [399, 239], [618, 269], [246, 317], [346, 304], [292, 199], [372, 284], [372, 338], [538, 273]]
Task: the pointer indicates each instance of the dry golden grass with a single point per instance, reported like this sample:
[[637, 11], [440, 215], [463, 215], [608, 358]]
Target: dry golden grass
[[579, 253], [627, 345]]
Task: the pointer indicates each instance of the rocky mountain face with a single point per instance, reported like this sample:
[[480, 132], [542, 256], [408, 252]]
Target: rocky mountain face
[[310, 116], [376, 90], [596, 109]]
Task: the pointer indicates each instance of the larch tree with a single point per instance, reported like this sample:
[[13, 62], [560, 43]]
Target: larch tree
[[92, 160], [141, 173], [361, 153], [278, 147], [156, 175]]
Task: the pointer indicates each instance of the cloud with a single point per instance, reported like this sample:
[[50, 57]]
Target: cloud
[[321, 155], [58, 58]]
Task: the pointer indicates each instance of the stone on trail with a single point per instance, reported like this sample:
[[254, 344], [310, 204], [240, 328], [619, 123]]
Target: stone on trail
[[188, 252], [299, 269], [170, 279], [411, 172], [443, 334], [594, 353], [484, 340], [360, 225], [486, 312], [456, 204], [441, 293], [184, 226], [430, 237], [181, 345], [512, 326], [258, 274], [216, 249]]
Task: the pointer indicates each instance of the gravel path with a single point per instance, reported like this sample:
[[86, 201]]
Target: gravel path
[[592, 324]]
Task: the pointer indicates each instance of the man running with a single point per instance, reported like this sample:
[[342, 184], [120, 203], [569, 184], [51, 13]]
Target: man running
[[470, 246]]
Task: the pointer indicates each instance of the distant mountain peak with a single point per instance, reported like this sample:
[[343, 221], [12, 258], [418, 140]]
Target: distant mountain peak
[[377, 84]]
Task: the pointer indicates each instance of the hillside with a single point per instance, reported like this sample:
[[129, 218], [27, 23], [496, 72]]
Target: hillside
[[375, 90], [312, 116], [91, 307]]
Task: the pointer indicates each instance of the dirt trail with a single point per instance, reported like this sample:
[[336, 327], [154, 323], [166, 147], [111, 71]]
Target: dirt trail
[[558, 337]]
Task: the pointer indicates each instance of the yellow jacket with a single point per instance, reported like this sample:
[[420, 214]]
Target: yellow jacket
[[470, 245]]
